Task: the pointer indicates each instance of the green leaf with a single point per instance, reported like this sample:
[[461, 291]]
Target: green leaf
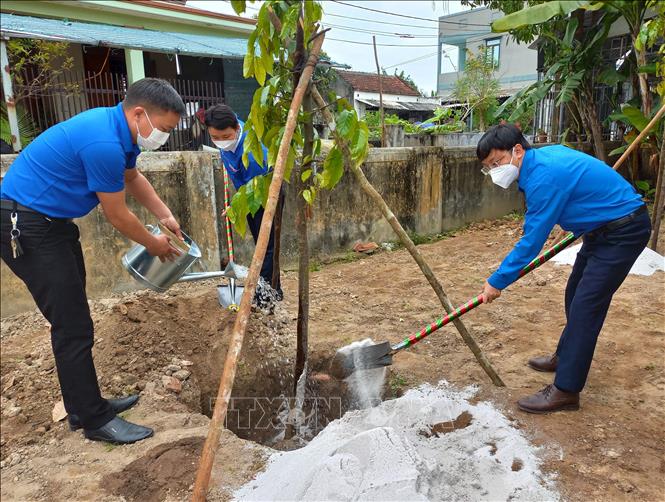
[[552, 71], [266, 57], [618, 151], [540, 13], [290, 162], [305, 175], [259, 71], [333, 168], [248, 65], [570, 32], [634, 117], [360, 148], [570, 85], [648, 68], [238, 211], [238, 6], [307, 195], [642, 185], [346, 123], [609, 76], [256, 113]]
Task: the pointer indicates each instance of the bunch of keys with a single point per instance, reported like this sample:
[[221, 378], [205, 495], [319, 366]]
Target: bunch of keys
[[17, 250]]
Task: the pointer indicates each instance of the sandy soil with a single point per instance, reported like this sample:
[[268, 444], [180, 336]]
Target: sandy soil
[[612, 449]]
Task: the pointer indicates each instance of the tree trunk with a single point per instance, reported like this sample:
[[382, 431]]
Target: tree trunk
[[303, 246], [406, 240], [659, 200], [645, 95], [242, 318], [589, 110]]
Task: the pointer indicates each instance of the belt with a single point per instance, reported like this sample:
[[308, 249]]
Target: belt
[[618, 223], [15, 206]]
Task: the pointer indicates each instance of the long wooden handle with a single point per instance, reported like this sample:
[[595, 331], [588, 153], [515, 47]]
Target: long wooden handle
[[639, 138], [240, 326]]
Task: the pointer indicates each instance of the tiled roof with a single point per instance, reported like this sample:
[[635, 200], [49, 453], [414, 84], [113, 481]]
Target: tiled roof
[[369, 82]]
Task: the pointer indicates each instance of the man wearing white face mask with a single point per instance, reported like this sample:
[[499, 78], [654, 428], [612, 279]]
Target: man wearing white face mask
[[226, 132], [587, 197], [63, 174]]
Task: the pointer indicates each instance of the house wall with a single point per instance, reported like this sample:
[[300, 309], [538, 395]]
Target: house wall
[[430, 190], [517, 63]]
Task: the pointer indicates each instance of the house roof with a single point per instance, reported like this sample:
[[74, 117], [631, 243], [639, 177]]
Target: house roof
[[412, 106], [369, 82], [181, 7], [106, 35]]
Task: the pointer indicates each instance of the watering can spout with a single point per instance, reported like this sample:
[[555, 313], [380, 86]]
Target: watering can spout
[[200, 276]]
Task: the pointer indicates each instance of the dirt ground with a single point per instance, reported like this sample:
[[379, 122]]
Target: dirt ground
[[171, 347]]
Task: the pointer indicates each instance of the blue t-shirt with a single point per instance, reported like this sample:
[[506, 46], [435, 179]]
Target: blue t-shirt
[[568, 187], [232, 161], [60, 171]]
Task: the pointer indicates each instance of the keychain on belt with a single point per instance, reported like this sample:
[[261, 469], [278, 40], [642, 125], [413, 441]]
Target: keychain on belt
[[17, 250]]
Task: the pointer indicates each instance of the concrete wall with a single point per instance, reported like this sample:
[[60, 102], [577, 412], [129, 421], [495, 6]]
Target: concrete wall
[[429, 190]]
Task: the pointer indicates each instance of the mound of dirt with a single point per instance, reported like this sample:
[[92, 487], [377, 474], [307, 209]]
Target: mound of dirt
[[164, 472], [172, 344]]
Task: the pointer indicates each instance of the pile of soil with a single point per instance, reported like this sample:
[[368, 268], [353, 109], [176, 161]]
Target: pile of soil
[[142, 340]]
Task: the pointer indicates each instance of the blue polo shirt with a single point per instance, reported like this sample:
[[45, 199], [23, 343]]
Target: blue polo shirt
[[238, 173], [568, 187], [60, 171]]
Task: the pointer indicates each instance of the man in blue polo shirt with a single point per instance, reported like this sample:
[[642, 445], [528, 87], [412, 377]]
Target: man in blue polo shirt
[[63, 174], [226, 132], [584, 196]]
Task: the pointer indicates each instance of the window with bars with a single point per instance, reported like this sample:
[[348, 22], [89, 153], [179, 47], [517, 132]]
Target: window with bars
[[493, 50]]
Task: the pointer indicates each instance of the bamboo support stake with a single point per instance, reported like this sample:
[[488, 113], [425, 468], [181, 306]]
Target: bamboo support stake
[[378, 72], [639, 138], [240, 327], [408, 243]]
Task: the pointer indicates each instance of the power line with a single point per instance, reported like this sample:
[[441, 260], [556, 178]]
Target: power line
[[382, 45], [379, 33], [414, 60], [410, 17], [419, 26]]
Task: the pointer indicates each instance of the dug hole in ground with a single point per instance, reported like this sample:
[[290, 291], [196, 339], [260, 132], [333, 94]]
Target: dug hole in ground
[[437, 430]]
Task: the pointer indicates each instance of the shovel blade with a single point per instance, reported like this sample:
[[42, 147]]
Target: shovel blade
[[361, 358], [226, 297]]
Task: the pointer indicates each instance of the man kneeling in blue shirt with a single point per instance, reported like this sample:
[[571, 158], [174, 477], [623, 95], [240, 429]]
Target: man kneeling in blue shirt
[[63, 174], [585, 196]]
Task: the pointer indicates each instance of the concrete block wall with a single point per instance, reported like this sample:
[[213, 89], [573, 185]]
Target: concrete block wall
[[430, 190]]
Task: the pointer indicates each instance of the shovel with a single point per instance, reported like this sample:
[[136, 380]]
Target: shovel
[[229, 295], [381, 354]]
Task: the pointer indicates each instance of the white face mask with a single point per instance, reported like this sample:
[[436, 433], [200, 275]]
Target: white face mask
[[155, 139], [229, 145], [505, 174]]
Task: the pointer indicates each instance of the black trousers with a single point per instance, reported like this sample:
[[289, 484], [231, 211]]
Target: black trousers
[[52, 268], [254, 223], [601, 266]]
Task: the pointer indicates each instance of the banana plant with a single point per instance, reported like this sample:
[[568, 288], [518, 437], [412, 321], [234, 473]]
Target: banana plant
[[540, 13]]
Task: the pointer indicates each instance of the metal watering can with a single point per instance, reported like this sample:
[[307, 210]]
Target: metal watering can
[[160, 276]]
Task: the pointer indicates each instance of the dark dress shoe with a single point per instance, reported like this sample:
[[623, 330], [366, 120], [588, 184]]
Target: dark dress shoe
[[544, 363], [550, 399], [117, 405], [119, 431]]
